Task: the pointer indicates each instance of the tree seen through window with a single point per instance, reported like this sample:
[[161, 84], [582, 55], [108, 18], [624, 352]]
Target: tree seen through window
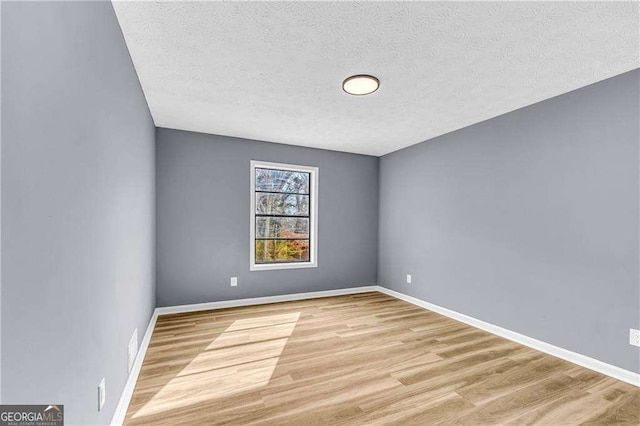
[[282, 219]]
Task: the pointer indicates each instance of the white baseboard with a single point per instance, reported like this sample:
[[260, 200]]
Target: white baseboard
[[263, 300], [127, 393], [576, 358]]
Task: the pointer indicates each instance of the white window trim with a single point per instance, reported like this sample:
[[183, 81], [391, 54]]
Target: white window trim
[[313, 229]]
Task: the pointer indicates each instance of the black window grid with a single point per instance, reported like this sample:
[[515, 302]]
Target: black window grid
[[307, 216]]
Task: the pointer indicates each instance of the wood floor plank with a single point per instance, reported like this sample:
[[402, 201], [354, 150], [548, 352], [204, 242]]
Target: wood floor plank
[[359, 359]]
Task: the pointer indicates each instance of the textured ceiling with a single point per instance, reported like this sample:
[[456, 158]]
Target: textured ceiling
[[273, 70]]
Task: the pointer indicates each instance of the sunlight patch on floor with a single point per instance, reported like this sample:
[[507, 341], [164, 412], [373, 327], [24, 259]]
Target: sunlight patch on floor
[[241, 359]]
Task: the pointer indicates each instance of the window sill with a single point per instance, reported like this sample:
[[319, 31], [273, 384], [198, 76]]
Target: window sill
[[277, 266]]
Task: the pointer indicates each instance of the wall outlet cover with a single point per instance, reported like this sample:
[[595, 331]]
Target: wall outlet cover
[[102, 394], [234, 281], [634, 337], [132, 350], [408, 278]]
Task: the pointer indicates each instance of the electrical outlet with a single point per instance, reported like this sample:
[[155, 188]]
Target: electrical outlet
[[634, 337], [132, 350], [234, 281], [102, 394], [408, 278]]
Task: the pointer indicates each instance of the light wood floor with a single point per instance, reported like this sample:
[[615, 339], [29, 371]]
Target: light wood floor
[[360, 359]]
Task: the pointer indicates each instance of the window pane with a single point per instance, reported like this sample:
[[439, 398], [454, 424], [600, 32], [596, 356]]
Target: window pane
[[270, 251], [282, 181], [282, 227], [282, 204]]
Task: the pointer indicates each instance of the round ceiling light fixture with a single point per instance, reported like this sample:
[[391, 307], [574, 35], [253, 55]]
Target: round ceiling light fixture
[[361, 84]]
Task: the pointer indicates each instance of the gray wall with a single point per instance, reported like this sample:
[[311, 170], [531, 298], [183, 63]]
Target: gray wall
[[77, 206], [203, 213], [528, 221]]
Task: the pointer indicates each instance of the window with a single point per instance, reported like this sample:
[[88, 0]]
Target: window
[[284, 216]]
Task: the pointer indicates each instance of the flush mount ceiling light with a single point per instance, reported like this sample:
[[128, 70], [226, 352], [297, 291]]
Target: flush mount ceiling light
[[359, 85]]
